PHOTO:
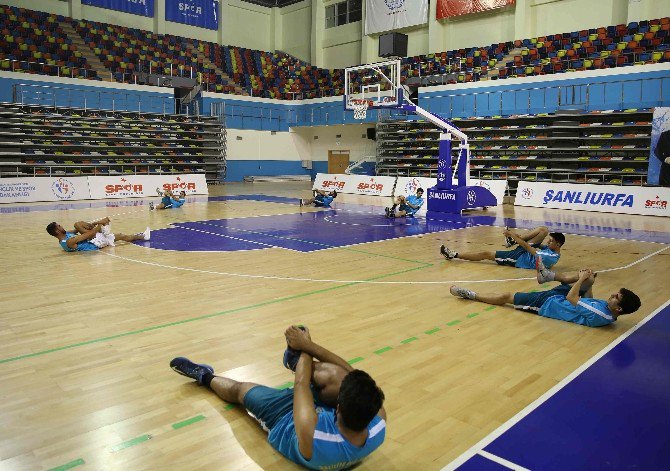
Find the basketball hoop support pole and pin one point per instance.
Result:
(445, 196)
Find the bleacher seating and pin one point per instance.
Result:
(34, 42)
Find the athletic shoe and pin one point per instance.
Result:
(462, 292)
(509, 241)
(159, 192)
(186, 367)
(147, 234)
(448, 254)
(302, 203)
(151, 206)
(387, 212)
(291, 357)
(543, 273)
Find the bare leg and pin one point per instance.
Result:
(497, 299)
(476, 256)
(230, 390)
(308, 202)
(128, 238)
(536, 236)
(327, 378)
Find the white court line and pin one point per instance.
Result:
(479, 446)
(502, 461)
(317, 280)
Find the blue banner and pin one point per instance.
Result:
(136, 7)
(201, 13)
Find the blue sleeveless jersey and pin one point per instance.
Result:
(527, 260)
(330, 450)
(81, 246)
(176, 203)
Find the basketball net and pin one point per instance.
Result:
(360, 108)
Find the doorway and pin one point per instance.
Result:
(338, 161)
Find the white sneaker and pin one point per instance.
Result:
(147, 234)
(462, 292)
(448, 254)
(151, 206)
(544, 274)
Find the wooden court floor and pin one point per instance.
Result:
(85, 339)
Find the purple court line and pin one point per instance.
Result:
(611, 413)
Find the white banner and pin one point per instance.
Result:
(355, 184)
(137, 186)
(24, 190)
(388, 15)
(652, 201)
(408, 186)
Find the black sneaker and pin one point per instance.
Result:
(448, 254)
(186, 367)
(291, 356)
(509, 241)
(386, 212)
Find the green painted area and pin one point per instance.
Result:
(490, 308)
(453, 323)
(229, 406)
(132, 442)
(290, 384)
(432, 331)
(70, 465)
(411, 339)
(186, 422)
(355, 360)
(208, 316)
(474, 314)
(382, 350)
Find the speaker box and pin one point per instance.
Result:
(372, 133)
(393, 45)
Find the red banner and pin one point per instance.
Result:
(449, 8)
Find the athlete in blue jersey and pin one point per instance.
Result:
(566, 302)
(169, 200)
(524, 256)
(407, 206)
(88, 236)
(321, 199)
(331, 419)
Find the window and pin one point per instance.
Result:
(342, 13)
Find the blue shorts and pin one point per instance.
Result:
(407, 209)
(532, 302)
(167, 201)
(268, 405)
(509, 257)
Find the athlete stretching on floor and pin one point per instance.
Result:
(571, 303)
(331, 419)
(524, 256)
(89, 236)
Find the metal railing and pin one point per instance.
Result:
(47, 69)
(82, 98)
(553, 98)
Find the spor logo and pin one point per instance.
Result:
(63, 189)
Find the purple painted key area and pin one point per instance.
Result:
(612, 416)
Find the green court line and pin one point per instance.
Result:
(453, 323)
(207, 316)
(355, 360)
(470, 316)
(287, 385)
(132, 442)
(70, 465)
(432, 331)
(382, 350)
(411, 339)
(229, 406)
(489, 308)
(186, 422)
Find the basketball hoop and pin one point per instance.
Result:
(360, 108)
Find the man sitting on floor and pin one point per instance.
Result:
(332, 418)
(566, 302)
(524, 256)
(89, 236)
(321, 199)
(407, 206)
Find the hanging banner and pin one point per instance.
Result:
(136, 7)
(388, 15)
(449, 8)
(200, 13)
(659, 158)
